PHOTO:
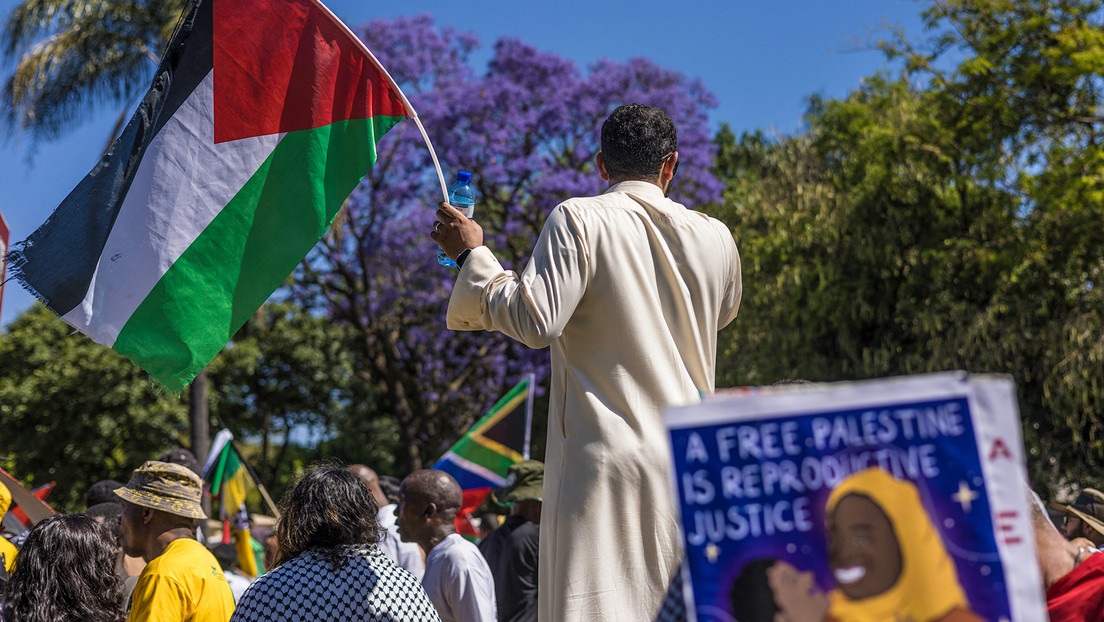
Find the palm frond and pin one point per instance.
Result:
(76, 55)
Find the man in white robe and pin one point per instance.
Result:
(629, 290)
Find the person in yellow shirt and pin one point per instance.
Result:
(7, 549)
(182, 579)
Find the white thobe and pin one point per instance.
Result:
(629, 289)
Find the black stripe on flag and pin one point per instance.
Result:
(56, 262)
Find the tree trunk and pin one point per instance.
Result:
(200, 430)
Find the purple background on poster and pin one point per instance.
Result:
(928, 443)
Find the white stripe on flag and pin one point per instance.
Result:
(182, 183)
(478, 469)
(221, 440)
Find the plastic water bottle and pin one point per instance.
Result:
(462, 197)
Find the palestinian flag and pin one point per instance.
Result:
(262, 118)
(480, 459)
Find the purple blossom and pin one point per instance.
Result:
(528, 129)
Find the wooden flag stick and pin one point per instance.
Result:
(256, 480)
(35, 508)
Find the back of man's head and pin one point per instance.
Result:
(436, 487)
(183, 457)
(107, 513)
(635, 140)
(371, 480)
(226, 554)
(389, 484)
(102, 491)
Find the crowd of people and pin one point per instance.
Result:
(628, 290)
(342, 549)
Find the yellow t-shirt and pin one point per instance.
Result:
(184, 583)
(7, 549)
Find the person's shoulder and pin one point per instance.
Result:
(588, 201)
(189, 551)
(610, 200)
(457, 547)
(517, 529)
(292, 572)
(385, 567)
(186, 546)
(494, 539)
(457, 542)
(526, 531)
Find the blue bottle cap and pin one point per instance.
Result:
(463, 176)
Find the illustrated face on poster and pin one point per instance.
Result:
(866, 514)
(863, 551)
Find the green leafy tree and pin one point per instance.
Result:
(285, 385)
(1024, 98)
(945, 217)
(864, 252)
(76, 412)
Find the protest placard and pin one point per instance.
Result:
(895, 499)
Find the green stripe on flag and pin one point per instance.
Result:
(474, 451)
(216, 479)
(248, 249)
(228, 466)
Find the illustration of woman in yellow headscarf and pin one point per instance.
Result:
(887, 559)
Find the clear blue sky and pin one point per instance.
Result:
(761, 59)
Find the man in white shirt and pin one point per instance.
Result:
(457, 578)
(627, 290)
(406, 555)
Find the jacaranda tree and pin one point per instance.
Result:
(528, 129)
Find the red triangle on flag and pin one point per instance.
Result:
(287, 65)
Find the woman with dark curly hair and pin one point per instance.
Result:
(328, 566)
(66, 572)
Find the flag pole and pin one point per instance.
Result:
(413, 114)
(225, 432)
(529, 414)
(256, 480)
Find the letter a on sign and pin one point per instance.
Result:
(999, 450)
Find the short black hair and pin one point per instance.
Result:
(184, 458)
(389, 484)
(102, 491)
(109, 514)
(226, 554)
(635, 140)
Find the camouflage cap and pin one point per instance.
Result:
(524, 480)
(167, 487)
